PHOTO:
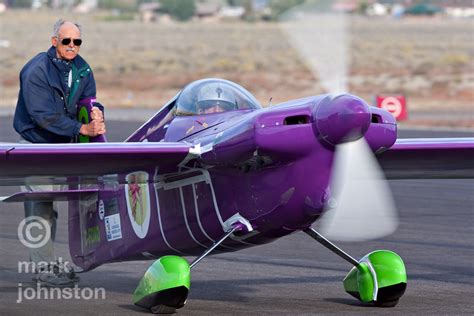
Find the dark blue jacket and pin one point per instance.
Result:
(46, 108)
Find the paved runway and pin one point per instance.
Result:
(294, 275)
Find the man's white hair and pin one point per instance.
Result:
(58, 25)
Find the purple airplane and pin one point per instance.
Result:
(214, 172)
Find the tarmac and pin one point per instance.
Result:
(292, 276)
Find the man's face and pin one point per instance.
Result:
(214, 109)
(67, 51)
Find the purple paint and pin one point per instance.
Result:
(271, 166)
(342, 118)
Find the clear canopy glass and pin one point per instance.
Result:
(209, 96)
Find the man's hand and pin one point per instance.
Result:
(94, 128)
(96, 114)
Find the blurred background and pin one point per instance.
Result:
(143, 52)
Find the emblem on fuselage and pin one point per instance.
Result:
(138, 202)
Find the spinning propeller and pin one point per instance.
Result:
(361, 205)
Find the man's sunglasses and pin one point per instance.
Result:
(67, 41)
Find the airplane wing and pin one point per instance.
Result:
(429, 158)
(64, 163)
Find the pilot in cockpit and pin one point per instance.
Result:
(215, 98)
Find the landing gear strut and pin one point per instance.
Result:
(165, 285)
(379, 277)
(214, 246)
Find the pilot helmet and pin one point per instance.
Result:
(215, 97)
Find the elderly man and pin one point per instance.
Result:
(51, 84)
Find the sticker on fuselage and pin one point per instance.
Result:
(111, 206)
(92, 235)
(101, 210)
(113, 229)
(138, 202)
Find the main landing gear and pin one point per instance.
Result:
(165, 285)
(379, 277)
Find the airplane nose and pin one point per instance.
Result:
(341, 118)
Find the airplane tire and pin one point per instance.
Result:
(162, 309)
(386, 303)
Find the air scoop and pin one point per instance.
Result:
(341, 118)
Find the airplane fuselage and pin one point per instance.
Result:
(269, 167)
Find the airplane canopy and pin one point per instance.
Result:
(209, 96)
